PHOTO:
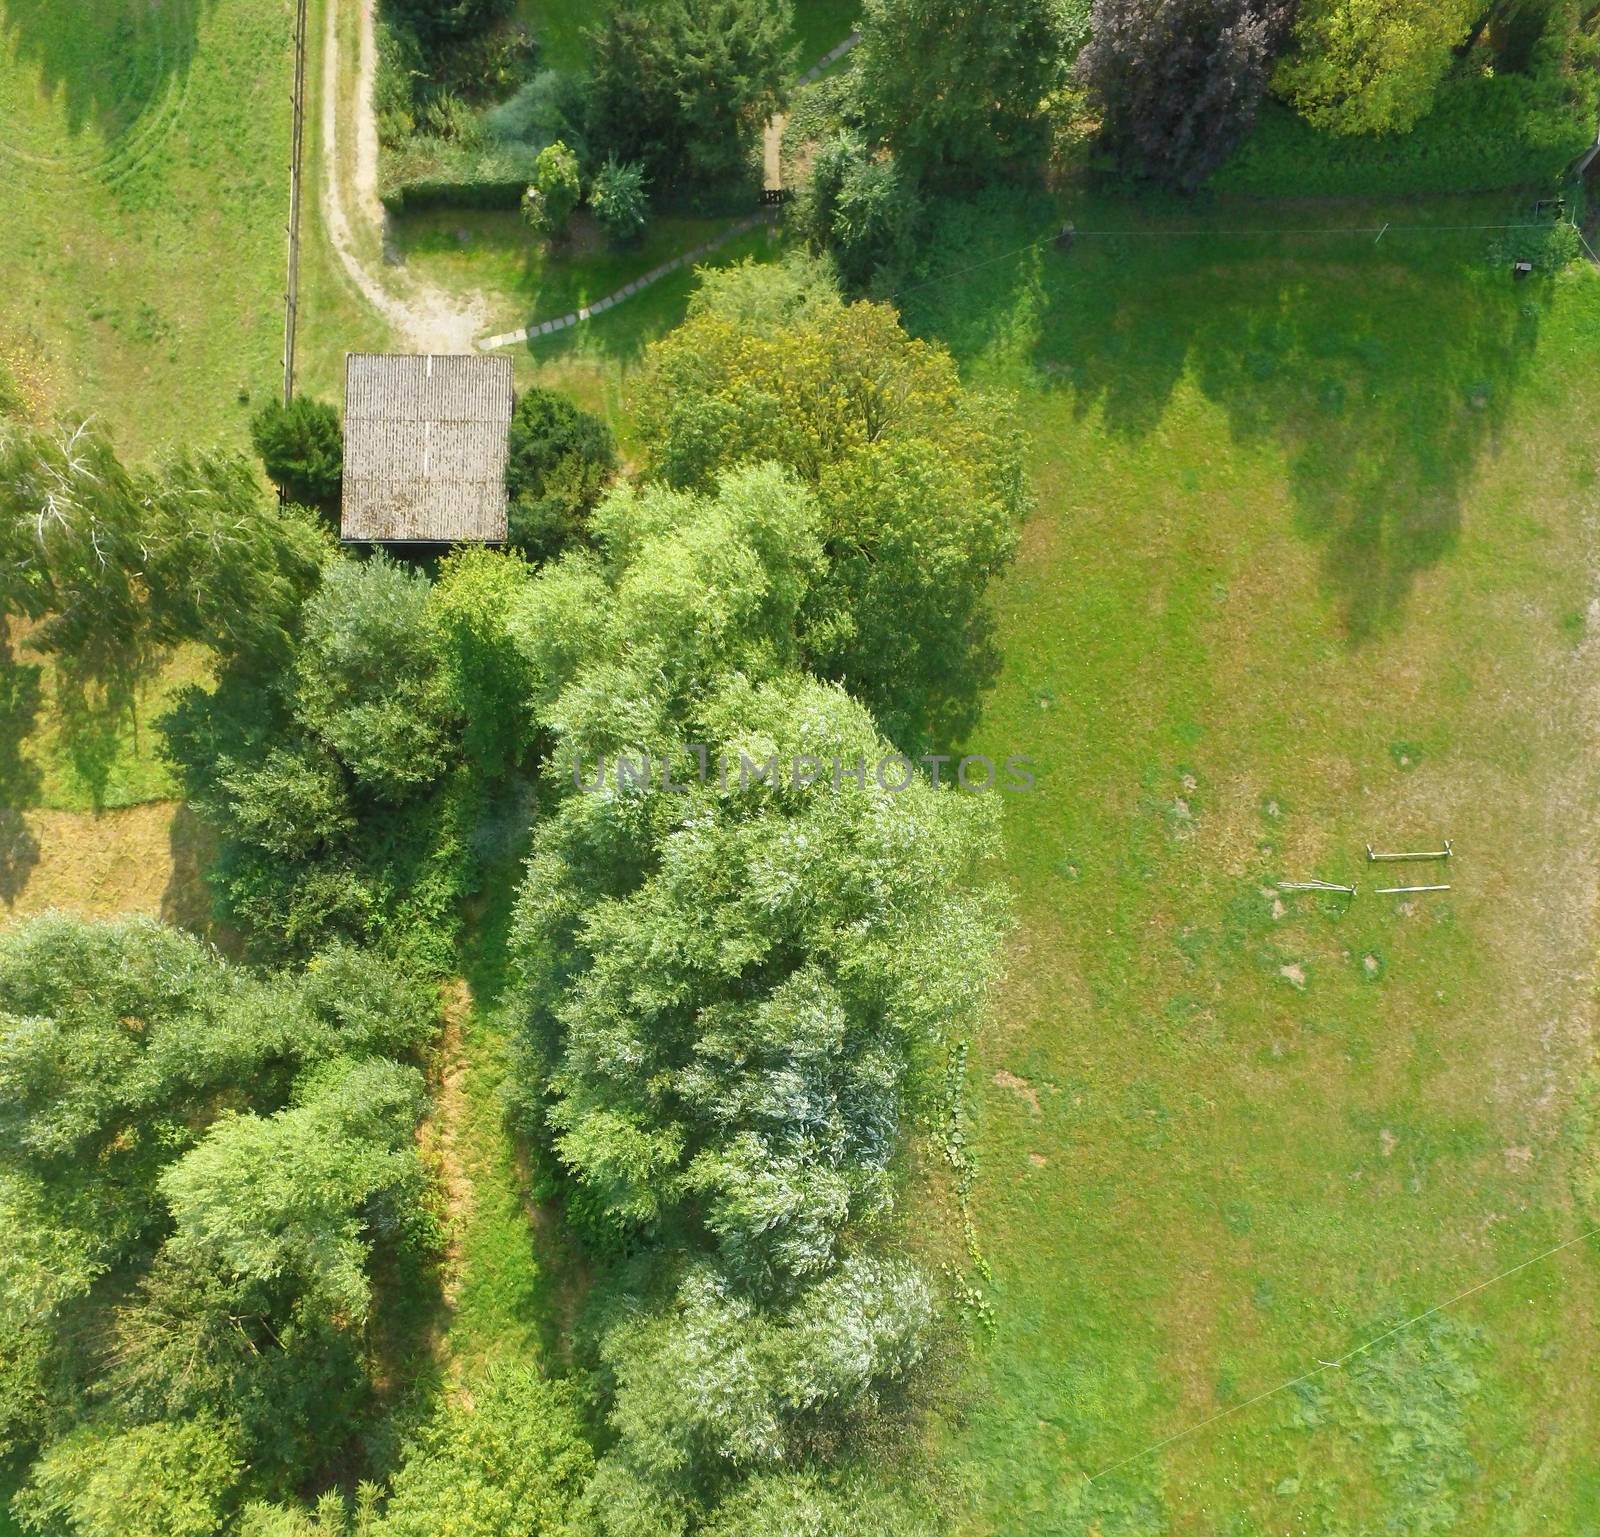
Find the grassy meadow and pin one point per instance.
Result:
(1313, 566)
(146, 153)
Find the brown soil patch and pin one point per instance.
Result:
(141, 859)
(1020, 1087)
(440, 1134)
(1295, 974)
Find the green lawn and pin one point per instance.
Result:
(146, 151)
(493, 254)
(146, 154)
(820, 25)
(1310, 568)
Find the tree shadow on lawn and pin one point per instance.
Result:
(108, 61)
(20, 693)
(1381, 372)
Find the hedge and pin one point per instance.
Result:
(1486, 132)
(435, 173)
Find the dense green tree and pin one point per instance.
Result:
(1371, 66)
(118, 563)
(370, 681)
(489, 682)
(919, 480)
(858, 206)
(682, 87)
(559, 458)
(157, 1480)
(296, 1197)
(712, 1386)
(302, 449)
(1177, 85)
(198, 1165)
(683, 952)
(958, 87)
(618, 196)
(514, 1461)
(116, 1040)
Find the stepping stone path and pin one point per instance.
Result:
(678, 263)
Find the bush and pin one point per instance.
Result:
(550, 197)
(301, 449)
(559, 459)
(617, 196)
(1549, 247)
(859, 208)
(516, 1461)
(546, 108)
(172, 1480)
(437, 21)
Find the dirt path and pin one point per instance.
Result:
(772, 153)
(427, 318)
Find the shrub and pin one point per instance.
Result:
(438, 21)
(548, 107)
(558, 461)
(859, 208)
(301, 449)
(548, 202)
(617, 196)
(516, 1461)
(431, 172)
(1549, 247)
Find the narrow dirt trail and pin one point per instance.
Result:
(427, 318)
(772, 152)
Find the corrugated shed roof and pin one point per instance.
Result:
(425, 447)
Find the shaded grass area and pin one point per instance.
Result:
(820, 25)
(515, 1273)
(558, 26)
(1311, 568)
(597, 360)
(68, 745)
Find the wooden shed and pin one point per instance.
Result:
(425, 448)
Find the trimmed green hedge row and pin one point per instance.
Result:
(432, 173)
(1485, 133)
